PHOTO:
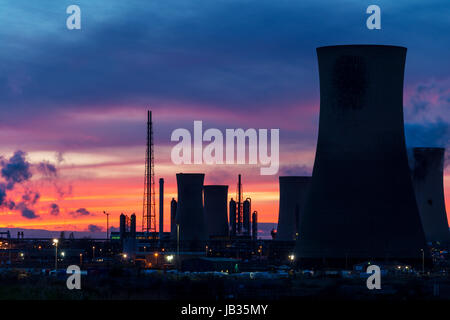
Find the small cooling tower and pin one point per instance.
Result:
(215, 198)
(361, 203)
(190, 215)
(428, 176)
(293, 193)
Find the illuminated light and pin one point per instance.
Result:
(21, 254)
(55, 241)
(169, 258)
(156, 254)
(124, 255)
(63, 254)
(291, 257)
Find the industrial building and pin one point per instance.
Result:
(428, 176)
(293, 193)
(361, 203)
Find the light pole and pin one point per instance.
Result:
(55, 242)
(93, 253)
(107, 225)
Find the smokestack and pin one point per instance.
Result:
(239, 206)
(361, 203)
(216, 210)
(246, 216)
(173, 223)
(233, 210)
(428, 176)
(161, 208)
(255, 225)
(190, 215)
(293, 194)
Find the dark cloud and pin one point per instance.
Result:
(30, 197)
(16, 169)
(26, 211)
(80, 212)
(47, 169)
(54, 209)
(94, 228)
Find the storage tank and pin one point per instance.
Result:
(233, 209)
(428, 176)
(190, 214)
(361, 203)
(293, 193)
(215, 199)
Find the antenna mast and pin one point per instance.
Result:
(149, 215)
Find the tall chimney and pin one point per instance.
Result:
(161, 208)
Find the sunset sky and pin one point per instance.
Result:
(76, 100)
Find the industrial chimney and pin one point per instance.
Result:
(161, 208)
(216, 210)
(190, 214)
(293, 193)
(361, 203)
(428, 176)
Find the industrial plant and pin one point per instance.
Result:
(364, 203)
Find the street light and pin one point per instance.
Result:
(93, 253)
(55, 243)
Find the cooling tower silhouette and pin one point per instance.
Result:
(361, 203)
(293, 192)
(428, 176)
(216, 210)
(190, 215)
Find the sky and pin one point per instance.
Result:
(73, 102)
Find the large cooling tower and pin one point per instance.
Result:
(216, 210)
(293, 192)
(428, 175)
(190, 215)
(361, 203)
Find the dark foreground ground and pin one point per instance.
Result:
(17, 286)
